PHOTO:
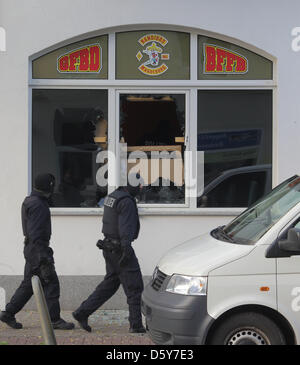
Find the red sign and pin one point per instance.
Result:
(87, 59)
(221, 60)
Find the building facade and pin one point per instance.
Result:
(200, 98)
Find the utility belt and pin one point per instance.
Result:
(110, 244)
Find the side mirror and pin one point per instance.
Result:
(292, 243)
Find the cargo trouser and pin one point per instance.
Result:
(25, 292)
(129, 276)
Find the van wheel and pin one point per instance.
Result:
(247, 329)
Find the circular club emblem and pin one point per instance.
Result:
(154, 64)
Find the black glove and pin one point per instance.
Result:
(100, 244)
(47, 271)
(127, 252)
(41, 253)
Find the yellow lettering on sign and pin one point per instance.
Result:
(153, 37)
(153, 71)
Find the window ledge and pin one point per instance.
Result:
(168, 211)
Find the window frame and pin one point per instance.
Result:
(189, 87)
(120, 92)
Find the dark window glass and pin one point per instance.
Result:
(235, 133)
(69, 129)
(154, 126)
(240, 190)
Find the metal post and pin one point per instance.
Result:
(47, 329)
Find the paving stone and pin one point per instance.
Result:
(110, 327)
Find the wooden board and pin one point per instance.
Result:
(154, 148)
(100, 139)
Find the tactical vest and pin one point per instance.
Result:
(110, 226)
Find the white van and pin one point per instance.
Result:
(238, 284)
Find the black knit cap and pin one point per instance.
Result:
(44, 183)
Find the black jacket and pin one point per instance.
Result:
(36, 219)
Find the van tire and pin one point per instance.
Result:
(248, 328)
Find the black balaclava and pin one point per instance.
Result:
(45, 183)
(132, 189)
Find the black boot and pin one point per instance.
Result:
(62, 325)
(83, 321)
(10, 320)
(137, 329)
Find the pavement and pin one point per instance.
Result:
(109, 327)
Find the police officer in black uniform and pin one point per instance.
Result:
(36, 223)
(120, 227)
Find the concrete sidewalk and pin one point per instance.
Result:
(109, 327)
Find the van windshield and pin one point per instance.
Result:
(252, 224)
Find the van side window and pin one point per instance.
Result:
(240, 190)
(296, 224)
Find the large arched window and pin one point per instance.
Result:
(147, 100)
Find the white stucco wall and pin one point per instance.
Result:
(34, 25)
